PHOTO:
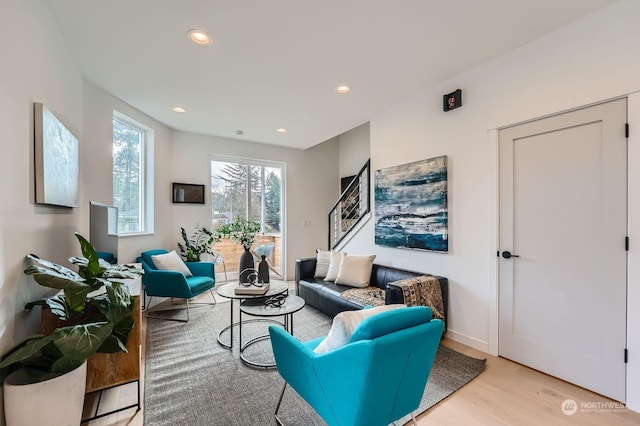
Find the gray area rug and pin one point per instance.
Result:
(191, 380)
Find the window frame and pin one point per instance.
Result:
(146, 203)
(252, 162)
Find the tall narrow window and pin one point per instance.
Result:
(129, 175)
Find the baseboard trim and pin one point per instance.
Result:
(468, 340)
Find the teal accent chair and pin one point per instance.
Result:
(173, 284)
(375, 379)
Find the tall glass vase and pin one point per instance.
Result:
(247, 267)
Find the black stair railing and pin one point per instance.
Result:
(354, 204)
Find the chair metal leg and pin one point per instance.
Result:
(413, 420)
(148, 312)
(275, 415)
(207, 303)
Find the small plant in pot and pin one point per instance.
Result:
(91, 321)
(198, 244)
(242, 231)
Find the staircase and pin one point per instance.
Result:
(352, 206)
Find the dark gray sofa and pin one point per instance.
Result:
(325, 296)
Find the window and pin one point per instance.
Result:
(246, 190)
(131, 146)
(251, 189)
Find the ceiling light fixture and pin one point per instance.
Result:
(281, 130)
(199, 37)
(343, 89)
(179, 109)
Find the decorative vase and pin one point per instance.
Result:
(247, 267)
(263, 270)
(56, 401)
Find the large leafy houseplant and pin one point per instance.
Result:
(241, 230)
(198, 244)
(93, 321)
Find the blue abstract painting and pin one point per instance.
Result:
(411, 205)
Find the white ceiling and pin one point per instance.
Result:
(276, 63)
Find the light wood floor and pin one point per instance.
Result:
(505, 393)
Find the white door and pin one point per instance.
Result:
(563, 204)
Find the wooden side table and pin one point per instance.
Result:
(106, 371)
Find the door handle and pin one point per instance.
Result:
(507, 255)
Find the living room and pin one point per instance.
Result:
(582, 63)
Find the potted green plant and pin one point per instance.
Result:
(198, 244)
(242, 231)
(92, 321)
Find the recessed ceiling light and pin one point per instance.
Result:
(281, 130)
(199, 37)
(179, 109)
(343, 89)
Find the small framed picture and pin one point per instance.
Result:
(187, 193)
(452, 100)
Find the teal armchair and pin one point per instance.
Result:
(377, 378)
(174, 284)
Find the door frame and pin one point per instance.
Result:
(633, 261)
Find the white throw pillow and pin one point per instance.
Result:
(323, 260)
(345, 323)
(171, 262)
(334, 265)
(355, 271)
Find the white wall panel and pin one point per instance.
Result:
(586, 62)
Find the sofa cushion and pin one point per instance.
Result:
(323, 259)
(334, 265)
(355, 271)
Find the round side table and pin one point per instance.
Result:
(258, 308)
(229, 291)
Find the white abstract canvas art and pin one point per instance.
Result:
(56, 160)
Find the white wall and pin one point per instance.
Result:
(354, 150)
(98, 113)
(310, 186)
(589, 61)
(36, 66)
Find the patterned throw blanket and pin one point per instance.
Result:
(422, 291)
(418, 291)
(371, 295)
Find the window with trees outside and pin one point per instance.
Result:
(129, 172)
(252, 190)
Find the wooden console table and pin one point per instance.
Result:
(106, 371)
